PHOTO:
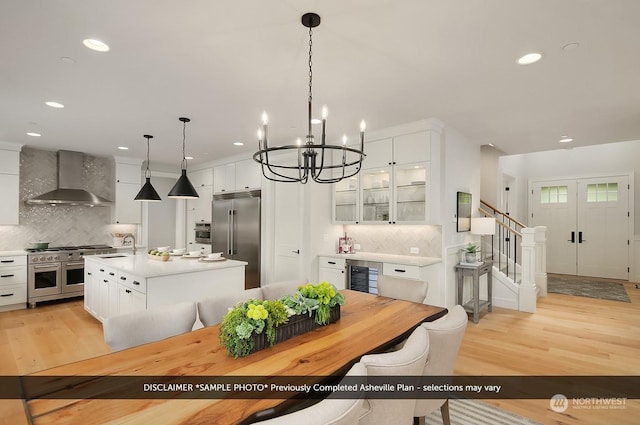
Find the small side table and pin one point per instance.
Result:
(475, 304)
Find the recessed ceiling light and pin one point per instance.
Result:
(54, 104)
(96, 45)
(565, 139)
(238, 143)
(570, 46)
(529, 58)
(34, 134)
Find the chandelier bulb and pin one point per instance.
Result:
(265, 118)
(325, 112)
(362, 126)
(344, 140)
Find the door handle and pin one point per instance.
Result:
(7, 275)
(580, 240)
(573, 237)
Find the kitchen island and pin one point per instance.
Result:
(118, 284)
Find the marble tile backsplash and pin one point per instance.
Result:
(61, 225)
(398, 239)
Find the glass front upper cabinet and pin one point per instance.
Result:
(376, 195)
(411, 188)
(346, 200)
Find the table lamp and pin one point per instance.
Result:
(483, 226)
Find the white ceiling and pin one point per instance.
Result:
(222, 62)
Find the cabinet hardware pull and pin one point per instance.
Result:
(580, 240)
(128, 291)
(573, 238)
(105, 281)
(112, 274)
(90, 274)
(7, 275)
(101, 270)
(399, 270)
(6, 295)
(123, 278)
(297, 251)
(331, 262)
(7, 261)
(135, 282)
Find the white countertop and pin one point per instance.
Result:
(407, 260)
(143, 266)
(10, 253)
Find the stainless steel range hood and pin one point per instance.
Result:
(70, 191)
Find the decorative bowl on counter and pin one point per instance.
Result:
(163, 257)
(163, 248)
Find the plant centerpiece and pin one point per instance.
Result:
(471, 253)
(254, 324)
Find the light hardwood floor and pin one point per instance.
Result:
(567, 336)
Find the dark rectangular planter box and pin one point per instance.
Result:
(297, 325)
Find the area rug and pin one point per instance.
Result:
(475, 412)
(585, 287)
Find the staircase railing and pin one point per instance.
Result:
(509, 238)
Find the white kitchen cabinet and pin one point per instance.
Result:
(13, 282)
(130, 300)
(394, 271)
(224, 178)
(90, 288)
(9, 182)
(393, 185)
(105, 297)
(332, 270)
(203, 204)
(237, 176)
(201, 178)
(128, 183)
(248, 175)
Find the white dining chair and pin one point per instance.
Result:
(332, 410)
(408, 361)
(445, 337)
(140, 327)
(211, 311)
(403, 289)
(276, 290)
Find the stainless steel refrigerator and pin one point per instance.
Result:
(235, 230)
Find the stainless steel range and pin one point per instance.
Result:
(58, 272)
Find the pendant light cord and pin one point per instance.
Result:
(183, 165)
(310, 82)
(147, 172)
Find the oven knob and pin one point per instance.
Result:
(34, 259)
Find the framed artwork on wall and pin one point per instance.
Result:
(463, 212)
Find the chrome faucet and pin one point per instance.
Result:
(133, 239)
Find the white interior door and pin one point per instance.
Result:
(287, 232)
(603, 227)
(554, 206)
(587, 223)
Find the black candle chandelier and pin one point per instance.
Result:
(312, 159)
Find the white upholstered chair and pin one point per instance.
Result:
(408, 361)
(330, 411)
(211, 311)
(445, 337)
(276, 290)
(403, 289)
(140, 327)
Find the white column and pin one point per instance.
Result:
(528, 291)
(541, 259)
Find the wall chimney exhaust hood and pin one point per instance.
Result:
(69, 191)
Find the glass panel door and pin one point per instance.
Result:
(346, 200)
(411, 189)
(376, 199)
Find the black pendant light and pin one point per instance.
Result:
(147, 192)
(183, 189)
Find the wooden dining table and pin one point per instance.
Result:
(368, 324)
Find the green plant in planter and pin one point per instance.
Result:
(470, 252)
(327, 296)
(249, 318)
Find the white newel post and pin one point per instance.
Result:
(541, 259)
(528, 295)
